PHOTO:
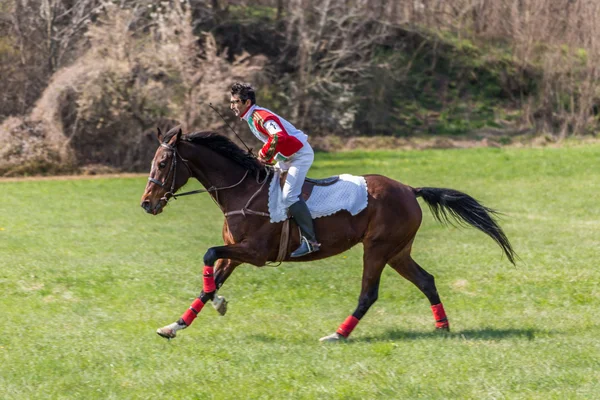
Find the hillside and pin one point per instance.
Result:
(433, 74)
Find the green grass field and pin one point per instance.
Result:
(86, 277)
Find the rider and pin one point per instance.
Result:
(286, 145)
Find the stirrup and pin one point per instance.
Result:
(306, 247)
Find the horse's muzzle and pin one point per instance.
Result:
(147, 205)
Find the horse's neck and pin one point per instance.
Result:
(227, 181)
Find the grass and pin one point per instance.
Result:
(87, 277)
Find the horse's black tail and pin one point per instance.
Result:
(466, 211)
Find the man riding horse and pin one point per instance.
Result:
(286, 145)
(386, 224)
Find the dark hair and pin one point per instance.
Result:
(244, 91)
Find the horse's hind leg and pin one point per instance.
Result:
(409, 269)
(373, 264)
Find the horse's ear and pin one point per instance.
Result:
(159, 135)
(175, 139)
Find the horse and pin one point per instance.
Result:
(237, 182)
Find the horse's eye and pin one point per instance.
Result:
(161, 165)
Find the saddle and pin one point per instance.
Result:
(310, 183)
(307, 188)
(351, 196)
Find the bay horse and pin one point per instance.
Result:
(238, 183)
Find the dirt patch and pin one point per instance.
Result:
(72, 177)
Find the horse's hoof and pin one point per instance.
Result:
(166, 332)
(334, 337)
(220, 304)
(444, 329)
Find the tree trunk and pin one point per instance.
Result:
(279, 9)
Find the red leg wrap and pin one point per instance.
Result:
(348, 326)
(209, 279)
(441, 321)
(191, 313)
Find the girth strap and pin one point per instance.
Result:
(284, 241)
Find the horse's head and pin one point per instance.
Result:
(167, 174)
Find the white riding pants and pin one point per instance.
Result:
(297, 167)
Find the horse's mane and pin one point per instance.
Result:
(222, 145)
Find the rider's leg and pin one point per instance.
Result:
(298, 167)
(308, 242)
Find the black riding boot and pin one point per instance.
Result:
(308, 241)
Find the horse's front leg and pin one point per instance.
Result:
(231, 255)
(223, 268)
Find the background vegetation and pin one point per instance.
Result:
(85, 82)
(87, 277)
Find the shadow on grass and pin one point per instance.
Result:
(392, 335)
(259, 337)
(468, 334)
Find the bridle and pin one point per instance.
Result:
(173, 169)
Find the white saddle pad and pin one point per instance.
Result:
(348, 193)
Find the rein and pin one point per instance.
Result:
(210, 189)
(246, 210)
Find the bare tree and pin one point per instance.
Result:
(58, 23)
(44, 35)
(331, 44)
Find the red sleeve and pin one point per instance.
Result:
(273, 129)
(279, 140)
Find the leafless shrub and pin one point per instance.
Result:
(146, 78)
(557, 37)
(331, 45)
(26, 150)
(37, 37)
(140, 71)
